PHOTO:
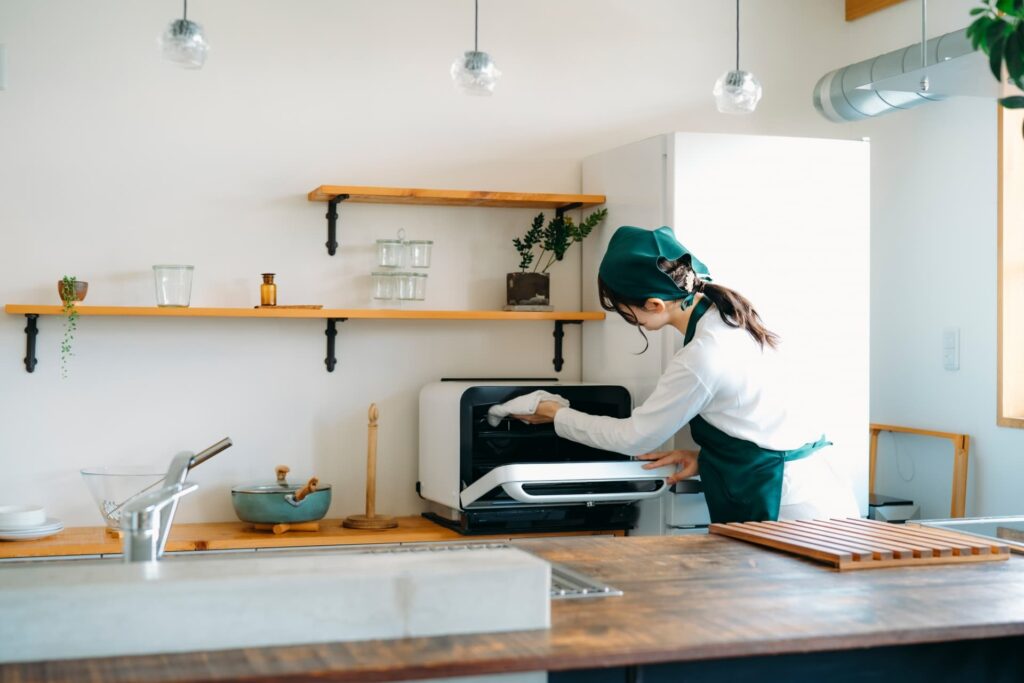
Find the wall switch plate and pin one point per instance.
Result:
(3, 67)
(951, 348)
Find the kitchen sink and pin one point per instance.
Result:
(195, 601)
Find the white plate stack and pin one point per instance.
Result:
(26, 523)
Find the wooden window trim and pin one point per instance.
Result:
(1010, 218)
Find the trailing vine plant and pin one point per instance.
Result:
(68, 288)
(998, 31)
(554, 239)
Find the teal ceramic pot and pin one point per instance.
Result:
(276, 504)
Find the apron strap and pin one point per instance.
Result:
(806, 449)
(691, 327)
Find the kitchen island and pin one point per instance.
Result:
(695, 607)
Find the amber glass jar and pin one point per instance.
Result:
(268, 291)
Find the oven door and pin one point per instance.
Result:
(619, 481)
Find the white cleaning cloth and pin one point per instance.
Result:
(522, 405)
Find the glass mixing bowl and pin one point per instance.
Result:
(113, 486)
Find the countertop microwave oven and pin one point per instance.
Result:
(480, 478)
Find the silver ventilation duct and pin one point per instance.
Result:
(890, 82)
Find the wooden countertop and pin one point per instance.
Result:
(686, 598)
(95, 540)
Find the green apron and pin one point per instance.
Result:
(742, 481)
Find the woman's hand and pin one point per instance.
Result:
(685, 462)
(545, 414)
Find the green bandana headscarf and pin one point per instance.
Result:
(630, 266)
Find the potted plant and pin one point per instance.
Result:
(532, 288)
(71, 291)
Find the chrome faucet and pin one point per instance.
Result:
(146, 520)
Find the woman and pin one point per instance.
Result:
(756, 460)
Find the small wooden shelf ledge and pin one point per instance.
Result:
(408, 195)
(332, 316)
(333, 194)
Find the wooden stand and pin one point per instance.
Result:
(961, 447)
(371, 520)
(293, 526)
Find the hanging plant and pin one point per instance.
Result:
(998, 31)
(69, 294)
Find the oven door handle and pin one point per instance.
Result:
(516, 491)
(513, 477)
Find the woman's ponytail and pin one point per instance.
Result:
(735, 309)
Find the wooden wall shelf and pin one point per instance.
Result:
(333, 194)
(855, 9)
(332, 316)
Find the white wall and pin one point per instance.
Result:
(934, 266)
(111, 161)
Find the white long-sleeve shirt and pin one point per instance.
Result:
(724, 376)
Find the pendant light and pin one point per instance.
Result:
(183, 42)
(737, 92)
(474, 73)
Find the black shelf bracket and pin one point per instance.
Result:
(31, 330)
(332, 331)
(559, 333)
(568, 207)
(332, 223)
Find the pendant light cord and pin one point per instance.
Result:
(476, 25)
(185, 17)
(924, 33)
(737, 35)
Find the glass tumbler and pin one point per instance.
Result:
(173, 285)
(389, 253)
(384, 285)
(419, 253)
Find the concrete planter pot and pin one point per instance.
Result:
(528, 289)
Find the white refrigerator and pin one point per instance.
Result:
(785, 222)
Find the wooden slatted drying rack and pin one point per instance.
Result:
(866, 544)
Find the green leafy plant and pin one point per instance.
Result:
(998, 31)
(68, 289)
(553, 239)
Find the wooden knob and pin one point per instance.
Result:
(373, 414)
(309, 488)
(282, 472)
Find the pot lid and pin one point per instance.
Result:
(281, 486)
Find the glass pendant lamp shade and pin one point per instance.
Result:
(737, 92)
(475, 73)
(183, 43)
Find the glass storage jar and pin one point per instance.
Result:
(419, 286)
(419, 252)
(173, 285)
(389, 253)
(404, 286)
(412, 286)
(385, 285)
